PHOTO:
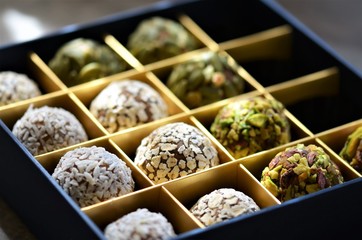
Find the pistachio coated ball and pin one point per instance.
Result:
(300, 170)
(251, 125)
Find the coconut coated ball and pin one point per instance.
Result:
(15, 87)
(92, 174)
(175, 150)
(46, 129)
(126, 104)
(222, 204)
(140, 225)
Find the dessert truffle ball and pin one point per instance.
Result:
(175, 150)
(251, 125)
(140, 225)
(82, 60)
(158, 38)
(204, 80)
(352, 150)
(300, 170)
(16, 87)
(46, 129)
(92, 174)
(223, 204)
(127, 104)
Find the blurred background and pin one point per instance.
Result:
(337, 22)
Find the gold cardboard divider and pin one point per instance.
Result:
(348, 171)
(137, 134)
(155, 199)
(50, 160)
(41, 72)
(189, 24)
(189, 189)
(53, 82)
(322, 83)
(118, 47)
(274, 43)
(334, 139)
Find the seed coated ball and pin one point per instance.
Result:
(82, 60)
(205, 79)
(46, 129)
(140, 225)
(223, 204)
(251, 125)
(92, 174)
(352, 150)
(158, 38)
(15, 87)
(126, 104)
(300, 170)
(175, 150)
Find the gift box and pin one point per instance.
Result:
(275, 56)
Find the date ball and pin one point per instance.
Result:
(251, 125)
(126, 104)
(92, 174)
(15, 87)
(82, 60)
(223, 204)
(300, 170)
(46, 129)
(352, 150)
(140, 225)
(205, 79)
(158, 38)
(175, 150)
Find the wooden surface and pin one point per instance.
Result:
(338, 22)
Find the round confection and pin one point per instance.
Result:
(140, 225)
(300, 170)
(352, 149)
(82, 60)
(223, 204)
(127, 104)
(175, 150)
(92, 174)
(46, 129)
(204, 80)
(15, 87)
(251, 125)
(158, 38)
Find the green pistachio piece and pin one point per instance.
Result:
(257, 120)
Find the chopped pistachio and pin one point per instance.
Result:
(252, 121)
(299, 176)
